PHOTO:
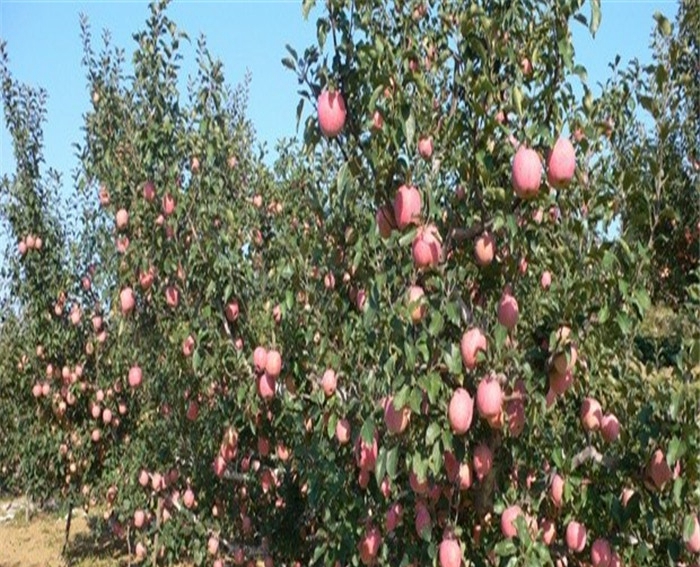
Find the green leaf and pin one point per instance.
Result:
(676, 450)
(518, 99)
(300, 109)
(367, 431)
(306, 7)
(380, 467)
(432, 433)
(688, 527)
(410, 130)
(505, 548)
(401, 398)
(289, 63)
(330, 427)
(291, 51)
(595, 16)
(437, 324)
(344, 178)
(663, 25)
(392, 461)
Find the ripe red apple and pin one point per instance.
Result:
(508, 517)
(329, 382)
(213, 545)
(422, 520)
(396, 420)
(407, 206)
(416, 304)
(366, 454)
(526, 66)
(591, 414)
(546, 280)
(515, 412)
(188, 498)
(561, 163)
(103, 196)
(266, 386)
(168, 204)
(489, 397)
(601, 554)
(526, 173)
(560, 383)
(393, 516)
(576, 536)
(473, 342)
(425, 147)
(460, 411)
(369, 545)
(260, 359)
(75, 315)
(658, 469)
(485, 249)
(482, 460)
(22, 247)
(450, 553)
(556, 490)
(465, 476)
(693, 543)
(361, 299)
(610, 427)
(172, 296)
(122, 219)
(231, 311)
(273, 363)
(427, 247)
(139, 518)
(194, 165)
(149, 191)
(549, 531)
(188, 346)
(135, 376)
(146, 278)
(127, 300)
(331, 113)
(385, 221)
(508, 311)
(342, 431)
(377, 120)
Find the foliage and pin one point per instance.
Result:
(147, 325)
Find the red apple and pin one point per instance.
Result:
(561, 163)
(407, 206)
(526, 173)
(331, 113)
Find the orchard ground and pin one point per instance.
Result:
(38, 543)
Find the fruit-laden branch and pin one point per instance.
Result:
(232, 546)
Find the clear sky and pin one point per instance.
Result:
(44, 46)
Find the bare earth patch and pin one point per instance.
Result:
(38, 543)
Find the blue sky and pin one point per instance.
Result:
(44, 45)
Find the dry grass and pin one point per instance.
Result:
(38, 543)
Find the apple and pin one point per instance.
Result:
(331, 113)
(561, 163)
(407, 206)
(485, 249)
(425, 147)
(526, 173)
